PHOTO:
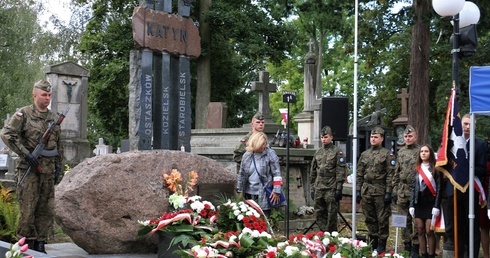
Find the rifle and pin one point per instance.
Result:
(274, 139)
(39, 150)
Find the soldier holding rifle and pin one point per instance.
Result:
(23, 133)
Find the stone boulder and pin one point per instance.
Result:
(99, 202)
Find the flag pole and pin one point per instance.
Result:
(471, 189)
(354, 131)
(455, 222)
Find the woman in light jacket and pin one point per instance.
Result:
(260, 169)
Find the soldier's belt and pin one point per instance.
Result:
(49, 153)
(375, 181)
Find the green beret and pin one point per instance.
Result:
(378, 129)
(409, 129)
(326, 130)
(259, 116)
(43, 85)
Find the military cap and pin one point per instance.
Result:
(258, 116)
(409, 129)
(377, 129)
(326, 130)
(43, 85)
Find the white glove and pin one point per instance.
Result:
(411, 210)
(435, 212)
(488, 213)
(433, 220)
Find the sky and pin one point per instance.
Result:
(56, 7)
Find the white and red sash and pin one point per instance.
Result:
(481, 192)
(428, 179)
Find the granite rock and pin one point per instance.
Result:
(99, 202)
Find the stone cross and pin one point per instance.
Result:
(264, 87)
(311, 43)
(404, 97)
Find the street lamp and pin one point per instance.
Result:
(464, 16)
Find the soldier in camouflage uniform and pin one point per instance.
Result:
(326, 181)
(36, 196)
(402, 184)
(374, 186)
(258, 125)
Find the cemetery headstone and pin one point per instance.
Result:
(216, 117)
(70, 93)
(264, 87)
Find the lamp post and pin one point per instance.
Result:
(464, 16)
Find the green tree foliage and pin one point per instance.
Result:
(26, 47)
(383, 59)
(20, 54)
(244, 35)
(106, 44)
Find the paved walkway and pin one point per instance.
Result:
(70, 250)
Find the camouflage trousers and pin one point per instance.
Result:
(408, 234)
(377, 215)
(36, 201)
(326, 209)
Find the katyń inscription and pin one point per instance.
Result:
(160, 85)
(162, 31)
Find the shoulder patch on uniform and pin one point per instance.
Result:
(393, 162)
(342, 160)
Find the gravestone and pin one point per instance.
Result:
(306, 119)
(264, 88)
(11, 167)
(69, 83)
(216, 117)
(402, 120)
(101, 148)
(124, 145)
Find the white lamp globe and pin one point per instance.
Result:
(470, 14)
(447, 7)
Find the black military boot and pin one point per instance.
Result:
(381, 246)
(374, 243)
(31, 244)
(40, 246)
(415, 251)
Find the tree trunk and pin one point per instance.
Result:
(418, 108)
(203, 92)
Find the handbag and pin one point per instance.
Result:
(269, 190)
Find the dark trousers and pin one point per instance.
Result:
(463, 223)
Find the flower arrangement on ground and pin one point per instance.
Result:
(239, 228)
(191, 219)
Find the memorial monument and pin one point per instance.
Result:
(159, 88)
